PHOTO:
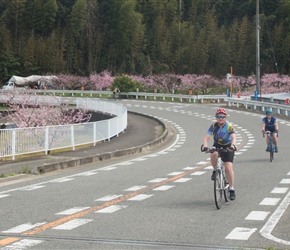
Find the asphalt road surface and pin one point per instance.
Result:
(160, 199)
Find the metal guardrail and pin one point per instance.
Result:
(20, 141)
(260, 106)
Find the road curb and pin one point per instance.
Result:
(45, 168)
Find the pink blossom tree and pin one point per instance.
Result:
(30, 110)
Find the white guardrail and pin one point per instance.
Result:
(20, 141)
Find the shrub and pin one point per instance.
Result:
(126, 84)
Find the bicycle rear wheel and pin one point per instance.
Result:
(218, 192)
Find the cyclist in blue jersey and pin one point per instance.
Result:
(224, 137)
(269, 123)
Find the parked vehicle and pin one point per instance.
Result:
(33, 81)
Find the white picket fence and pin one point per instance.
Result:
(20, 141)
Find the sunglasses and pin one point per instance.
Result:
(220, 116)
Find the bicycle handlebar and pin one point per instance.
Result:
(269, 132)
(214, 149)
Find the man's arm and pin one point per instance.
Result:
(205, 140)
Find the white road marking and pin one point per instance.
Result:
(65, 179)
(30, 188)
(273, 220)
(72, 210)
(198, 173)
(183, 180)
(22, 228)
(285, 181)
(188, 168)
(158, 180)
(163, 188)
(140, 159)
(175, 173)
(23, 244)
(107, 168)
(4, 195)
(257, 215)
(72, 224)
(110, 209)
(270, 201)
(135, 188)
(241, 233)
(109, 197)
(87, 173)
(201, 163)
(140, 197)
(126, 163)
(278, 190)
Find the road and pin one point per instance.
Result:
(159, 199)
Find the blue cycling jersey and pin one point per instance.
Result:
(269, 123)
(221, 135)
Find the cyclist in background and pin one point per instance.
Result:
(269, 123)
(116, 93)
(224, 137)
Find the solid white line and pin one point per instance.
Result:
(72, 224)
(31, 188)
(4, 195)
(273, 220)
(60, 180)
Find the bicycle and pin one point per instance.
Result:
(271, 144)
(116, 95)
(221, 185)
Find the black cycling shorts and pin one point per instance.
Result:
(273, 130)
(228, 156)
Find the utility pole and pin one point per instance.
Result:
(179, 16)
(258, 87)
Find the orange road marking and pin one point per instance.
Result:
(107, 204)
(7, 241)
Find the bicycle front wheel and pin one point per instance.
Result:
(218, 192)
(226, 189)
(271, 152)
